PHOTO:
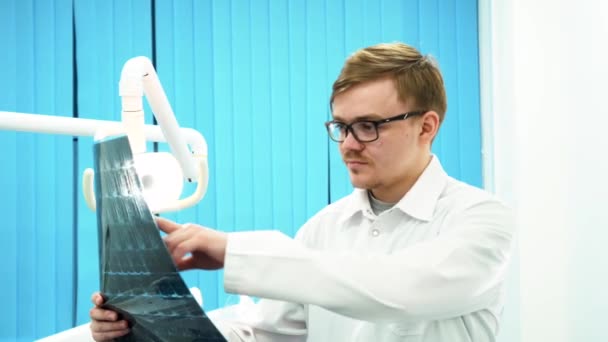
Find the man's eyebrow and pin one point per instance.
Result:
(364, 117)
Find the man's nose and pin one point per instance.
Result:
(350, 143)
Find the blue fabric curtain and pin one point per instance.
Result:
(37, 209)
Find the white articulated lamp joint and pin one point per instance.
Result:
(131, 92)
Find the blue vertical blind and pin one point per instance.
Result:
(37, 241)
(254, 77)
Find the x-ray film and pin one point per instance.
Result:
(138, 277)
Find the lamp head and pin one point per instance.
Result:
(161, 178)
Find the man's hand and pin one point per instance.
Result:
(105, 325)
(193, 246)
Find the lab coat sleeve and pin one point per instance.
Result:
(265, 321)
(459, 272)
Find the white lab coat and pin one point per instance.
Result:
(430, 269)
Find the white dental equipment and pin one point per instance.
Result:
(161, 174)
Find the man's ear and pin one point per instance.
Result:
(429, 126)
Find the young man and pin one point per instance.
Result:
(411, 255)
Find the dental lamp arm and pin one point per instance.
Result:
(138, 77)
(49, 124)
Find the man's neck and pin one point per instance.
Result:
(377, 205)
(393, 193)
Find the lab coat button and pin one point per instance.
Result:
(375, 232)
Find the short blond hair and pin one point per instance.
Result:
(417, 77)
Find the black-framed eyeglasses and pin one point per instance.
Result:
(364, 130)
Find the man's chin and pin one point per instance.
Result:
(359, 182)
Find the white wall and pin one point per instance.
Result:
(544, 77)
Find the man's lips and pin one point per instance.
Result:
(352, 162)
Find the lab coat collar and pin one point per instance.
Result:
(419, 202)
(422, 198)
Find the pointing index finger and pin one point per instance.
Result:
(167, 226)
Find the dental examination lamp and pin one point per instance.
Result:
(161, 174)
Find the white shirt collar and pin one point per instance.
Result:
(422, 198)
(419, 202)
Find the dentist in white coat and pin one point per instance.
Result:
(411, 255)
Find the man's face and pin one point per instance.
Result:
(393, 159)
